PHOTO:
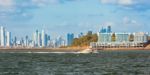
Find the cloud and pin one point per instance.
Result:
(129, 4)
(119, 2)
(126, 24)
(6, 3)
(12, 9)
(131, 24)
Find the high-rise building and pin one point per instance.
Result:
(22, 42)
(27, 41)
(46, 39)
(43, 38)
(60, 42)
(36, 38)
(80, 35)
(103, 30)
(109, 29)
(39, 40)
(8, 41)
(106, 30)
(70, 38)
(15, 41)
(3, 39)
(89, 33)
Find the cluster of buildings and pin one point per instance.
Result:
(5, 38)
(40, 39)
(106, 39)
(109, 39)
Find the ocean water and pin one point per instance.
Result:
(102, 63)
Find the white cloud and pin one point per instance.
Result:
(40, 3)
(129, 4)
(10, 9)
(108, 1)
(131, 24)
(120, 2)
(6, 3)
(125, 2)
(20, 8)
(127, 20)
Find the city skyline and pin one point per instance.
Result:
(59, 17)
(40, 39)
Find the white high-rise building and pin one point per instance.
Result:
(2, 36)
(34, 39)
(43, 38)
(8, 41)
(39, 39)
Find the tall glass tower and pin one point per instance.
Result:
(43, 38)
(109, 29)
(3, 40)
(70, 38)
(8, 42)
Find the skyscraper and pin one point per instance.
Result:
(103, 30)
(109, 29)
(26, 41)
(39, 40)
(89, 33)
(3, 40)
(36, 38)
(70, 38)
(8, 41)
(60, 42)
(43, 38)
(46, 39)
(80, 35)
(106, 30)
(15, 41)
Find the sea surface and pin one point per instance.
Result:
(102, 63)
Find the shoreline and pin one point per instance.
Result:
(65, 49)
(41, 49)
(126, 49)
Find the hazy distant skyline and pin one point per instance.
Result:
(58, 17)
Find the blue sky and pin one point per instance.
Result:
(58, 17)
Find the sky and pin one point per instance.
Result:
(59, 17)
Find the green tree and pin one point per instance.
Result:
(85, 40)
(113, 37)
(131, 37)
